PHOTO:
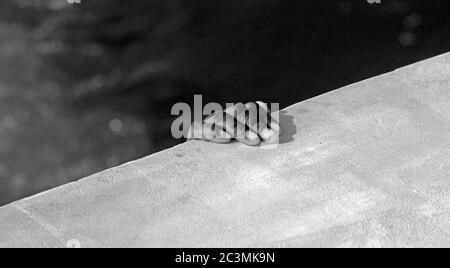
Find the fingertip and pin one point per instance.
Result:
(251, 105)
(263, 105)
(252, 135)
(270, 136)
(266, 133)
(251, 139)
(276, 127)
(273, 139)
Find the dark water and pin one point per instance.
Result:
(90, 86)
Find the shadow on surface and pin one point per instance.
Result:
(289, 128)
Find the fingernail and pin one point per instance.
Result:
(275, 126)
(251, 139)
(274, 138)
(267, 133)
(251, 135)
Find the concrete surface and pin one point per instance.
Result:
(367, 165)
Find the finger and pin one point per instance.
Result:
(246, 114)
(235, 128)
(251, 139)
(257, 117)
(269, 129)
(251, 116)
(208, 132)
(215, 133)
(265, 109)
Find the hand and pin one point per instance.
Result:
(250, 124)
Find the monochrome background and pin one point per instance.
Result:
(88, 86)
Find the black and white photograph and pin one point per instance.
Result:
(224, 131)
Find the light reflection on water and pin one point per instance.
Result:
(42, 143)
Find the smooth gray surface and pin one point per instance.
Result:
(368, 166)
